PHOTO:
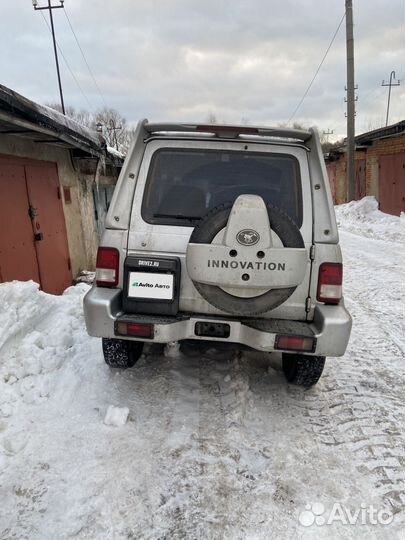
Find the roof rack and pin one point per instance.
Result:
(228, 131)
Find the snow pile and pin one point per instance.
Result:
(38, 332)
(363, 218)
(36, 329)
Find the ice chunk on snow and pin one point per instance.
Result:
(116, 416)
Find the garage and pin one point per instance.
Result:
(50, 169)
(380, 168)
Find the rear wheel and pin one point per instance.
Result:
(120, 353)
(302, 369)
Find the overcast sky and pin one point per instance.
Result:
(240, 60)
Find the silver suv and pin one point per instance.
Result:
(222, 233)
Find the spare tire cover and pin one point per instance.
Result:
(205, 232)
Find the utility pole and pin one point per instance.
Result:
(112, 131)
(390, 84)
(351, 177)
(327, 133)
(50, 7)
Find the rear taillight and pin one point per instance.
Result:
(107, 266)
(330, 283)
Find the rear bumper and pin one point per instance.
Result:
(331, 325)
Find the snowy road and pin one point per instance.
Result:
(217, 445)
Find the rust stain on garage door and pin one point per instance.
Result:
(30, 200)
(392, 184)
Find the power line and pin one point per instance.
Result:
(67, 64)
(318, 69)
(84, 58)
(366, 96)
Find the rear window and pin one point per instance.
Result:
(184, 184)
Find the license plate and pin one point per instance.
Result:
(150, 285)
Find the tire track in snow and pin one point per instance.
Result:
(203, 455)
(152, 391)
(360, 407)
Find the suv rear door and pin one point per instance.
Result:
(179, 182)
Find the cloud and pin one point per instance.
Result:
(182, 60)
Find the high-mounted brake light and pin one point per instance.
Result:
(107, 267)
(227, 129)
(330, 279)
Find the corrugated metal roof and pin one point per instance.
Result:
(381, 133)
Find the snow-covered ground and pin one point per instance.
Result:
(200, 443)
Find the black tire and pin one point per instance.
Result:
(205, 232)
(120, 353)
(302, 369)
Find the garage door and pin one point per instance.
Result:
(392, 184)
(33, 241)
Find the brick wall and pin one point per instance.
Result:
(337, 172)
(341, 180)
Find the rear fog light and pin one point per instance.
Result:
(135, 330)
(295, 343)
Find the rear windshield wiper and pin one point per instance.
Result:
(177, 216)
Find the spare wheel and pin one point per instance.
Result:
(233, 263)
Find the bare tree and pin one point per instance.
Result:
(83, 117)
(327, 146)
(113, 125)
